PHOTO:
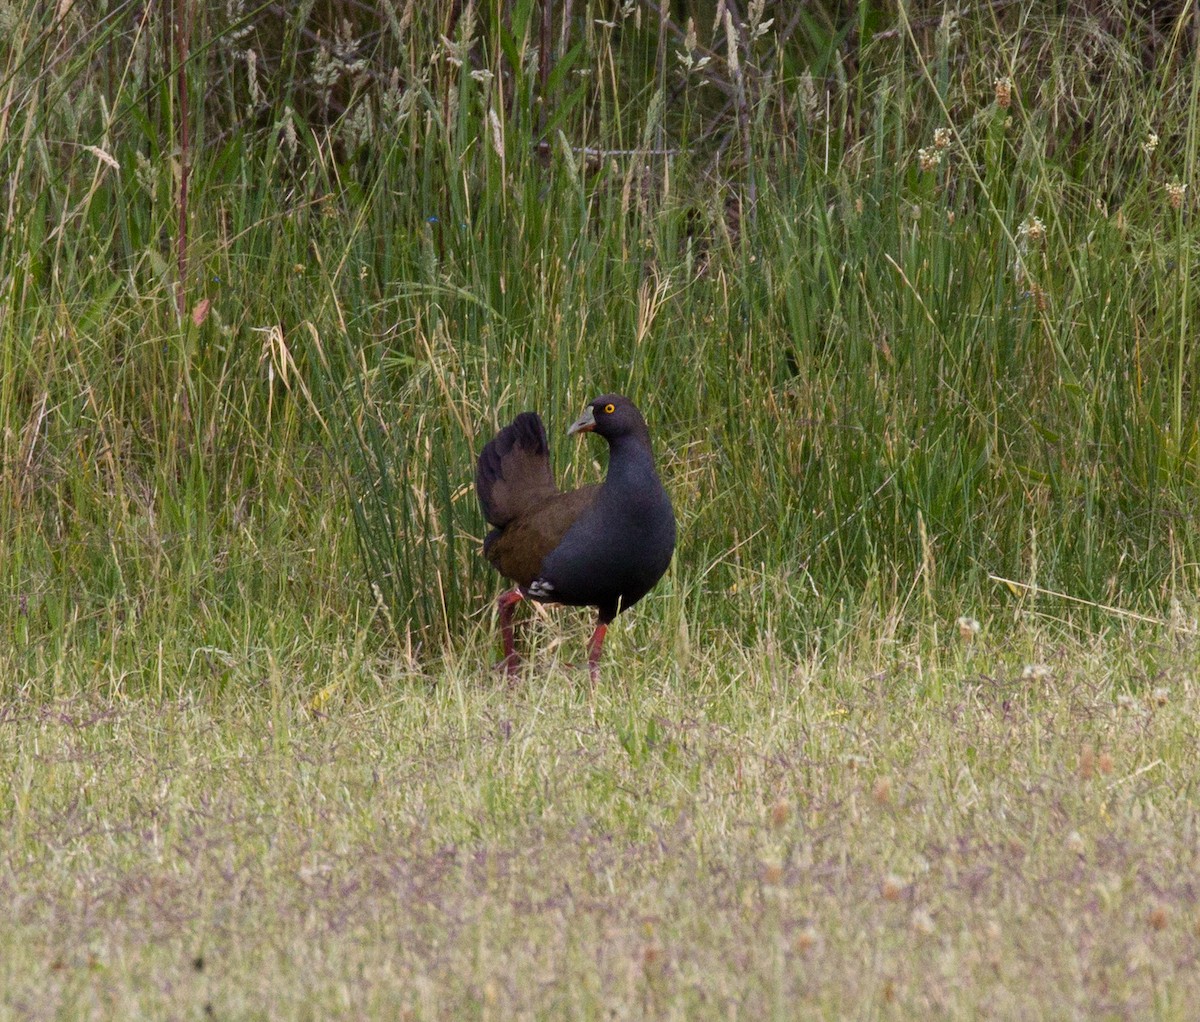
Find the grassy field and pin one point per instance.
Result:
(746, 836)
(908, 299)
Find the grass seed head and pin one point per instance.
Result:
(1033, 230)
(1087, 762)
(928, 159)
(1003, 87)
(891, 887)
(653, 960)
(922, 922)
(1038, 293)
(807, 940)
(781, 812)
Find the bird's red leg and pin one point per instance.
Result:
(595, 646)
(505, 604)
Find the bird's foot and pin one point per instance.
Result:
(509, 665)
(593, 669)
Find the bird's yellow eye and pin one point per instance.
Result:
(609, 409)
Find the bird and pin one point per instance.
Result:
(603, 545)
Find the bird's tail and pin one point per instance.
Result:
(513, 472)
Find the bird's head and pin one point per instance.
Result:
(611, 416)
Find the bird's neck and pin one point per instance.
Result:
(629, 457)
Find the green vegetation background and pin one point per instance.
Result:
(907, 297)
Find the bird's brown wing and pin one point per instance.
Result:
(513, 475)
(518, 550)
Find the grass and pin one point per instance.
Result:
(908, 302)
(746, 836)
(940, 344)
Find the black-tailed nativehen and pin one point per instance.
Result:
(602, 546)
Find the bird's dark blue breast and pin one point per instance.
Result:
(615, 553)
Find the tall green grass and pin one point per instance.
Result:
(874, 381)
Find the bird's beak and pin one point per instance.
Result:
(584, 424)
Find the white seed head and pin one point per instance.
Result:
(497, 132)
(1032, 230)
(689, 37)
(731, 45)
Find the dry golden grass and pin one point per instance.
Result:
(921, 836)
